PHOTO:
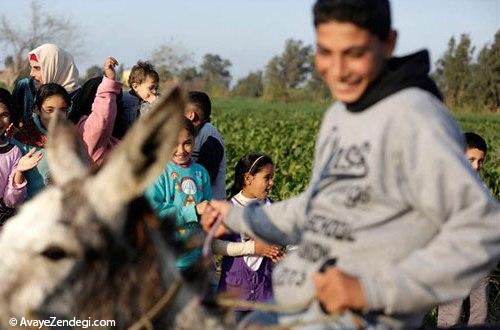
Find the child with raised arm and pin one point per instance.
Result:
(248, 276)
(95, 128)
(12, 164)
(181, 193)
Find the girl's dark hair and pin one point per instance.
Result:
(187, 124)
(48, 90)
(372, 15)
(251, 164)
(6, 99)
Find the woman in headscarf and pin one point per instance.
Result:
(49, 64)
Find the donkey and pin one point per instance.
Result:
(89, 247)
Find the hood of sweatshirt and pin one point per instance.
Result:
(399, 73)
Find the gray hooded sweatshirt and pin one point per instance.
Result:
(392, 198)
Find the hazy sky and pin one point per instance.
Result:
(247, 32)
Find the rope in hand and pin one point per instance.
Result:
(287, 309)
(207, 244)
(299, 323)
(271, 307)
(264, 307)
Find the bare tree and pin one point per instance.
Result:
(42, 28)
(170, 59)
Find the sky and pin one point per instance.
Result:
(247, 32)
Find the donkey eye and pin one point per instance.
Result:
(54, 253)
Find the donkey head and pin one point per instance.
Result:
(81, 247)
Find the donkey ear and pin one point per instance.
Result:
(66, 154)
(141, 156)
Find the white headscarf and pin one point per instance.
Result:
(57, 66)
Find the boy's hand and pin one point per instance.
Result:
(213, 211)
(109, 68)
(200, 207)
(338, 291)
(152, 97)
(273, 252)
(28, 161)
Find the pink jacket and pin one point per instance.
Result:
(96, 129)
(12, 194)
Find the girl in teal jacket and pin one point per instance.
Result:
(182, 193)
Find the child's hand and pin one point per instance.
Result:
(152, 97)
(109, 68)
(214, 211)
(200, 207)
(28, 161)
(273, 252)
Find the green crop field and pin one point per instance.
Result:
(287, 132)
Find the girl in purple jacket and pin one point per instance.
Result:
(12, 163)
(249, 277)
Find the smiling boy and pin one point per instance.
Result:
(412, 241)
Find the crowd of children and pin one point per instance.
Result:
(102, 112)
(196, 176)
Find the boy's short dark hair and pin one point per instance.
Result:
(475, 141)
(372, 15)
(187, 124)
(202, 103)
(141, 71)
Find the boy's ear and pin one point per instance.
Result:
(390, 44)
(192, 116)
(134, 85)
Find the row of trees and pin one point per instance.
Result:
(288, 76)
(171, 63)
(467, 82)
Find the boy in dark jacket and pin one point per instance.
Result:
(209, 146)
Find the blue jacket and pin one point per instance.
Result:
(174, 195)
